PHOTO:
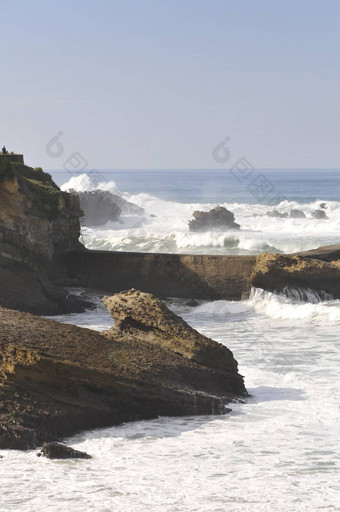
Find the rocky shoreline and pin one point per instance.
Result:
(57, 379)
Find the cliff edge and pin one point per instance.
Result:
(38, 225)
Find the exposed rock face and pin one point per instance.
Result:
(319, 214)
(36, 218)
(217, 218)
(38, 224)
(276, 272)
(57, 379)
(100, 207)
(141, 316)
(61, 451)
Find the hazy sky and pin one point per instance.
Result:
(159, 83)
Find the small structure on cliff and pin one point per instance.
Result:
(15, 158)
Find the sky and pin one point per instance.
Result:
(160, 84)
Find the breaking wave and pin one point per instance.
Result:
(164, 226)
(315, 308)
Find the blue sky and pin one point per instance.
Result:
(158, 84)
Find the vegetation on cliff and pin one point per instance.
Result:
(6, 171)
(39, 224)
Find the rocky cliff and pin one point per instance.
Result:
(57, 379)
(275, 272)
(38, 225)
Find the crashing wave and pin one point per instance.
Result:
(163, 227)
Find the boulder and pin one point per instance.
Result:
(218, 218)
(319, 214)
(141, 316)
(297, 214)
(277, 214)
(61, 451)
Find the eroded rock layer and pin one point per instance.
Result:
(57, 379)
(38, 225)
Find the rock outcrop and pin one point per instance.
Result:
(100, 207)
(61, 451)
(277, 214)
(141, 316)
(276, 272)
(39, 224)
(297, 214)
(218, 218)
(319, 214)
(57, 379)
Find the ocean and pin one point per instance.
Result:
(278, 451)
(170, 197)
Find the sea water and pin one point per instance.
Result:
(279, 451)
(170, 198)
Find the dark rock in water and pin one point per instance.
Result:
(319, 214)
(61, 451)
(217, 218)
(100, 207)
(323, 206)
(192, 303)
(297, 214)
(275, 213)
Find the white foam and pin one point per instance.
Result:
(279, 451)
(164, 228)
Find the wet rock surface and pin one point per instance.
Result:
(218, 218)
(61, 451)
(297, 214)
(319, 214)
(276, 272)
(100, 207)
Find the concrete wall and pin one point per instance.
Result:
(18, 159)
(165, 275)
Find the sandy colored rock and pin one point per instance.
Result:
(274, 272)
(141, 316)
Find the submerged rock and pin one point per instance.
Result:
(319, 214)
(192, 303)
(277, 214)
(57, 379)
(217, 218)
(297, 214)
(61, 451)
